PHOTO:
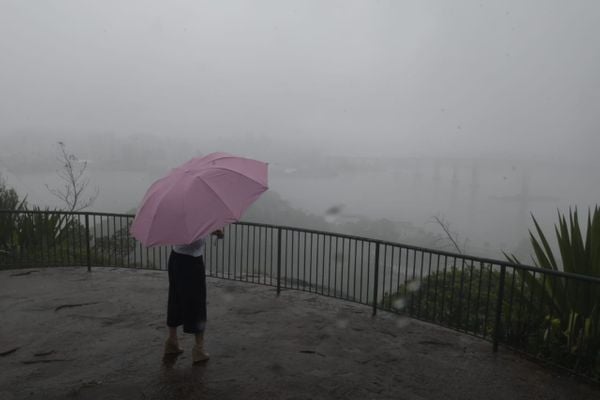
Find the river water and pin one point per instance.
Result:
(488, 207)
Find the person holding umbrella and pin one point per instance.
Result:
(182, 209)
(187, 296)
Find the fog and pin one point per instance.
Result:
(479, 112)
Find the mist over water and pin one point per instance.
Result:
(486, 203)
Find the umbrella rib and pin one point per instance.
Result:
(224, 156)
(162, 196)
(216, 195)
(239, 173)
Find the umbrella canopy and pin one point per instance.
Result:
(194, 199)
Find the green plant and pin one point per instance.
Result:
(463, 297)
(9, 200)
(43, 237)
(117, 246)
(572, 313)
(35, 236)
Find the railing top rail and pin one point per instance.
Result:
(484, 260)
(437, 252)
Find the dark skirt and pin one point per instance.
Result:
(187, 293)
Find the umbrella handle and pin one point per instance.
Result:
(218, 233)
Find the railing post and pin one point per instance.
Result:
(87, 243)
(499, 304)
(376, 279)
(278, 261)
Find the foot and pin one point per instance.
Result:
(199, 355)
(172, 347)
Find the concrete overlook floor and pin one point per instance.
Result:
(70, 334)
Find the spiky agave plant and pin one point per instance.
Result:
(572, 305)
(47, 237)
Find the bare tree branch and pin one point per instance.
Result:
(74, 181)
(446, 227)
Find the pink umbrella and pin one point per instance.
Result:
(198, 197)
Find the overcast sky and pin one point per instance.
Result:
(362, 77)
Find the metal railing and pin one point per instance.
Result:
(550, 315)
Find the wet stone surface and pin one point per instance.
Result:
(70, 334)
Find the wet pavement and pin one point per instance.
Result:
(70, 334)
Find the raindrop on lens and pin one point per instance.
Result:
(399, 304)
(341, 323)
(333, 210)
(414, 286)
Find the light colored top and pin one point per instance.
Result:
(194, 249)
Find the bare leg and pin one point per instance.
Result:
(199, 339)
(172, 343)
(198, 353)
